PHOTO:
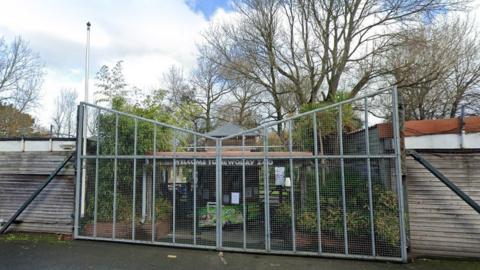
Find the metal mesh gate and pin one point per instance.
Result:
(323, 183)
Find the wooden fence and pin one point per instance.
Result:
(20, 175)
(442, 224)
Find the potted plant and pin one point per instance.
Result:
(104, 218)
(163, 217)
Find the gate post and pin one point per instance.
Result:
(78, 149)
(398, 173)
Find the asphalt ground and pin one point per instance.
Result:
(26, 251)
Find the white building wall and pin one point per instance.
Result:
(36, 145)
(444, 141)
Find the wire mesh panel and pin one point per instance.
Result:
(139, 180)
(279, 206)
(326, 182)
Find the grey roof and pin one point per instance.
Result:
(228, 129)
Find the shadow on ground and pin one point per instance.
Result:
(22, 251)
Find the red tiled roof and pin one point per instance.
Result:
(432, 127)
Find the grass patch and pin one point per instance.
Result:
(34, 238)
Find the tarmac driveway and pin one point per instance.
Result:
(32, 253)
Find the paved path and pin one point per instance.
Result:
(28, 254)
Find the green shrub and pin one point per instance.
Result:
(386, 216)
(307, 222)
(283, 215)
(253, 212)
(163, 209)
(385, 206)
(105, 206)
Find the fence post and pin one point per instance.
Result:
(317, 182)
(79, 149)
(342, 175)
(369, 175)
(398, 173)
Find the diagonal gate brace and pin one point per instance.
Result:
(445, 180)
(35, 194)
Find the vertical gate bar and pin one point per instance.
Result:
(95, 206)
(266, 194)
(195, 180)
(220, 190)
(79, 168)
(115, 166)
(342, 173)
(396, 135)
(317, 183)
(243, 195)
(174, 190)
(134, 179)
(154, 179)
(218, 201)
(292, 189)
(369, 175)
(144, 190)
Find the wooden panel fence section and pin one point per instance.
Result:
(21, 173)
(442, 224)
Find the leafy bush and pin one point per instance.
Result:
(307, 222)
(163, 209)
(105, 205)
(283, 215)
(253, 212)
(358, 215)
(386, 216)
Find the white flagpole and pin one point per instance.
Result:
(85, 122)
(87, 61)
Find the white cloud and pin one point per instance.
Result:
(148, 35)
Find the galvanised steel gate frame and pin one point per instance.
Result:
(339, 164)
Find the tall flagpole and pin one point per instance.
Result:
(87, 61)
(85, 122)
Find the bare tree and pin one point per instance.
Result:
(209, 85)
(335, 37)
(305, 51)
(242, 105)
(178, 89)
(437, 69)
(246, 49)
(65, 111)
(21, 74)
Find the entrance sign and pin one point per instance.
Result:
(279, 176)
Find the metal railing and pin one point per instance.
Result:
(323, 183)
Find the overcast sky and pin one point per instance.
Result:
(148, 35)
